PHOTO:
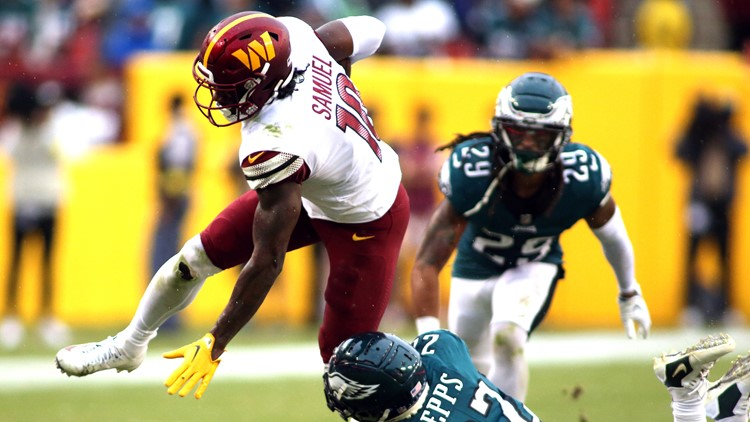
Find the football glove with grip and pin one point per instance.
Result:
(197, 365)
(633, 311)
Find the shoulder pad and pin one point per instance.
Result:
(583, 166)
(467, 172)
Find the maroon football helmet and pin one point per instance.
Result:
(242, 64)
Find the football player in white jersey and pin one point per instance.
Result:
(318, 173)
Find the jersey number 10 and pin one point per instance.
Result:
(359, 122)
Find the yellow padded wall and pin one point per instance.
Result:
(629, 105)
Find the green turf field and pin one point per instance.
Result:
(599, 392)
(611, 393)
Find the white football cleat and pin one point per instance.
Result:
(729, 397)
(84, 359)
(685, 372)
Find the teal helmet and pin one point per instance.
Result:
(375, 376)
(532, 122)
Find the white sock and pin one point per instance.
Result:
(689, 410)
(166, 294)
(511, 377)
(509, 370)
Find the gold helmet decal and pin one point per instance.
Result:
(255, 48)
(256, 51)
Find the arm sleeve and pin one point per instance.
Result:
(367, 33)
(619, 251)
(268, 167)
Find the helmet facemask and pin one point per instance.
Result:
(231, 100)
(531, 149)
(532, 124)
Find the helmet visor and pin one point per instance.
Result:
(531, 139)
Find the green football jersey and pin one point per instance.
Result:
(495, 238)
(457, 391)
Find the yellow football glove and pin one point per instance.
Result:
(196, 366)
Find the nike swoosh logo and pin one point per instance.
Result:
(357, 238)
(197, 349)
(252, 158)
(680, 368)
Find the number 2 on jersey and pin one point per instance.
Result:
(359, 122)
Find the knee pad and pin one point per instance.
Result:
(192, 263)
(508, 338)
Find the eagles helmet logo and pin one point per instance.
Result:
(444, 179)
(348, 389)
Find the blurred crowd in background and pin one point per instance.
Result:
(83, 45)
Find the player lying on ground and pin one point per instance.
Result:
(379, 377)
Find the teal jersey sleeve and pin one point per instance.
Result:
(457, 391)
(466, 173)
(587, 177)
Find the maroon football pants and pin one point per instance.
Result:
(362, 260)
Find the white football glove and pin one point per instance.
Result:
(427, 323)
(633, 311)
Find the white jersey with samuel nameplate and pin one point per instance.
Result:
(354, 176)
